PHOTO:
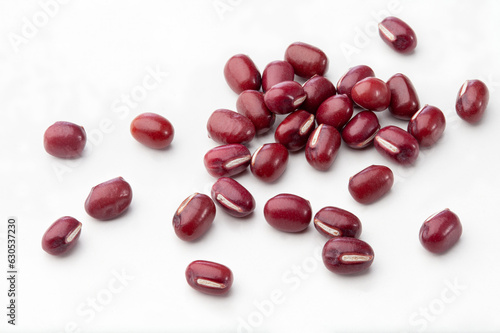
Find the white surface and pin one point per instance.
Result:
(79, 65)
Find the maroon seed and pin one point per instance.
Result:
(64, 139)
(227, 160)
(346, 255)
(251, 104)
(427, 125)
(351, 77)
(61, 236)
(306, 60)
(337, 222)
(335, 111)
(242, 74)
(318, 88)
(370, 184)
(226, 126)
(293, 132)
(284, 97)
(397, 144)
(397, 34)
(288, 212)
(472, 101)
(194, 217)
(440, 231)
(322, 147)
(360, 131)
(372, 94)
(209, 277)
(404, 99)
(152, 130)
(233, 197)
(109, 199)
(276, 72)
(269, 162)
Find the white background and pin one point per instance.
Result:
(79, 64)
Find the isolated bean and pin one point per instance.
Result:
(276, 72)
(351, 77)
(360, 131)
(322, 147)
(346, 255)
(397, 144)
(371, 183)
(372, 94)
(194, 217)
(306, 60)
(109, 199)
(337, 222)
(233, 197)
(227, 160)
(64, 139)
(288, 212)
(293, 132)
(440, 231)
(472, 101)
(284, 97)
(397, 34)
(242, 74)
(152, 130)
(226, 126)
(404, 98)
(318, 88)
(209, 277)
(427, 125)
(61, 236)
(269, 162)
(335, 111)
(250, 103)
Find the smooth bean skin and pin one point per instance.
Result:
(269, 162)
(209, 277)
(318, 88)
(398, 35)
(360, 131)
(335, 111)
(371, 184)
(109, 200)
(472, 100)
(276, 72)
(427, 125)
(233, 197)
(64, 140)
(288, 212)
(61, 236)
(397, 145)
(351, 77)
(372, 94)
(404, 99)
(346, 255)
(306, 60)
(337, 222)
(226, 127)
(194, 217)
(294, 131)
(322, 147)
(284, 97)
(152, 130)
(241, 74)
(251, 104)
(440, 231)
(227, 160)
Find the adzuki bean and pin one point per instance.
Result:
(397, 145)
(306, 60)
(227, 160)
(242, 74)
(322, 147)
(288, 212)
(226, 126)
(372, 94)
(64, 139)
(427, 125)
(293, 132)
(335, 111)
(397, 34)
(269, 162)
(209, 277)
(371, 183)
(318, 88)
(108, 200)
(472, 101)
(61, 236)
(194, 217)
(351, 77)
(250, 103)
(440, 231)
(337, 222)
(276, 72)
(346, 255)
(152, 130)
(233, 197)
(404, 98)
(360, 131)
(284, 97)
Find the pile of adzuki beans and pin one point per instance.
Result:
(316, 101)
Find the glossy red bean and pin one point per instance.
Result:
(194, 217)
(242, 74)
(440, 231)
(472, 101)
(397, 144)
(337, 222)
(233, 197)
(250, 103)
(322, 147)
(209, 277)
(294, 131)
(288, 212)
(397, 34)
(109, 199)
(335, 111)
(284, 97)
(306, 60)
(346, 255)
(269, 162)
(226, 126)
(404, 98)
(371, 183)
(318, 88)
(427, 125)
(152, 130)
(372, 94)
(276, 72)
(351, 77)
(64, 139)
(227, 160)
(61, 236)
(360, 131)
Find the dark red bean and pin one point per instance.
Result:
(360, 131)
(427, 125)
(284, 97)
(242, 74)
(194, 217)
(227, 160)
(251, 104)
(109, 199)
(322, 147)
(337, 222)
(61, 236)
(64, 139)
(397, 144)
(351, 77)
(346, 255)
(306, 60)
(404, 98)
(209, 277)
(276, 72)
(152, 130)
(370, 184)
(372, 94)
(226, 126)
(440, 231)
(318, 88)
(293, 132)
(472, 100)
(233, 197)
(288, 212)
(269, 162)
(335, 111)
(397, 34)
